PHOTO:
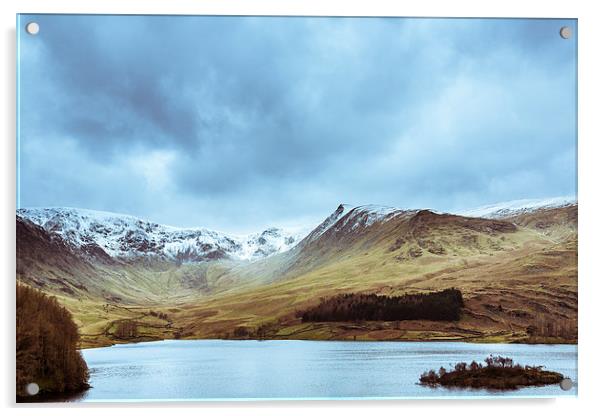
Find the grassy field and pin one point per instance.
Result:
(503, 293)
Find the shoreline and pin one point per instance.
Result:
(465, 341)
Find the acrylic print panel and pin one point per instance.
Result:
(217, 208)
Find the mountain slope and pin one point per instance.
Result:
(559, 223)
(47, 262)
(403, 234)
(509, 274)
(356, 231)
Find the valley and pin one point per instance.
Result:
(127, 280)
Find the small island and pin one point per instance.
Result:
(498, 373)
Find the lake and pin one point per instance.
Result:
(219, 369)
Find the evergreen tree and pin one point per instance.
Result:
(47, 341)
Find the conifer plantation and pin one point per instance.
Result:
(47, 341)
(445, 305)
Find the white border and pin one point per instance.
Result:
(590, 114)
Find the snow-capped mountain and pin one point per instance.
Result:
(127, 236)
(522, 206)
(124, 236)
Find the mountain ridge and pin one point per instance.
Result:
(122, 235)
(112, 235)
(511, 208)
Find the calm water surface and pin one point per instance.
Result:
(217, 369)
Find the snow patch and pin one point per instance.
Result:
(521, 206)
(377, 213)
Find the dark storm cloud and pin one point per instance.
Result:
(237, 123)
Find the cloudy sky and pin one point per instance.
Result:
(240, 123)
